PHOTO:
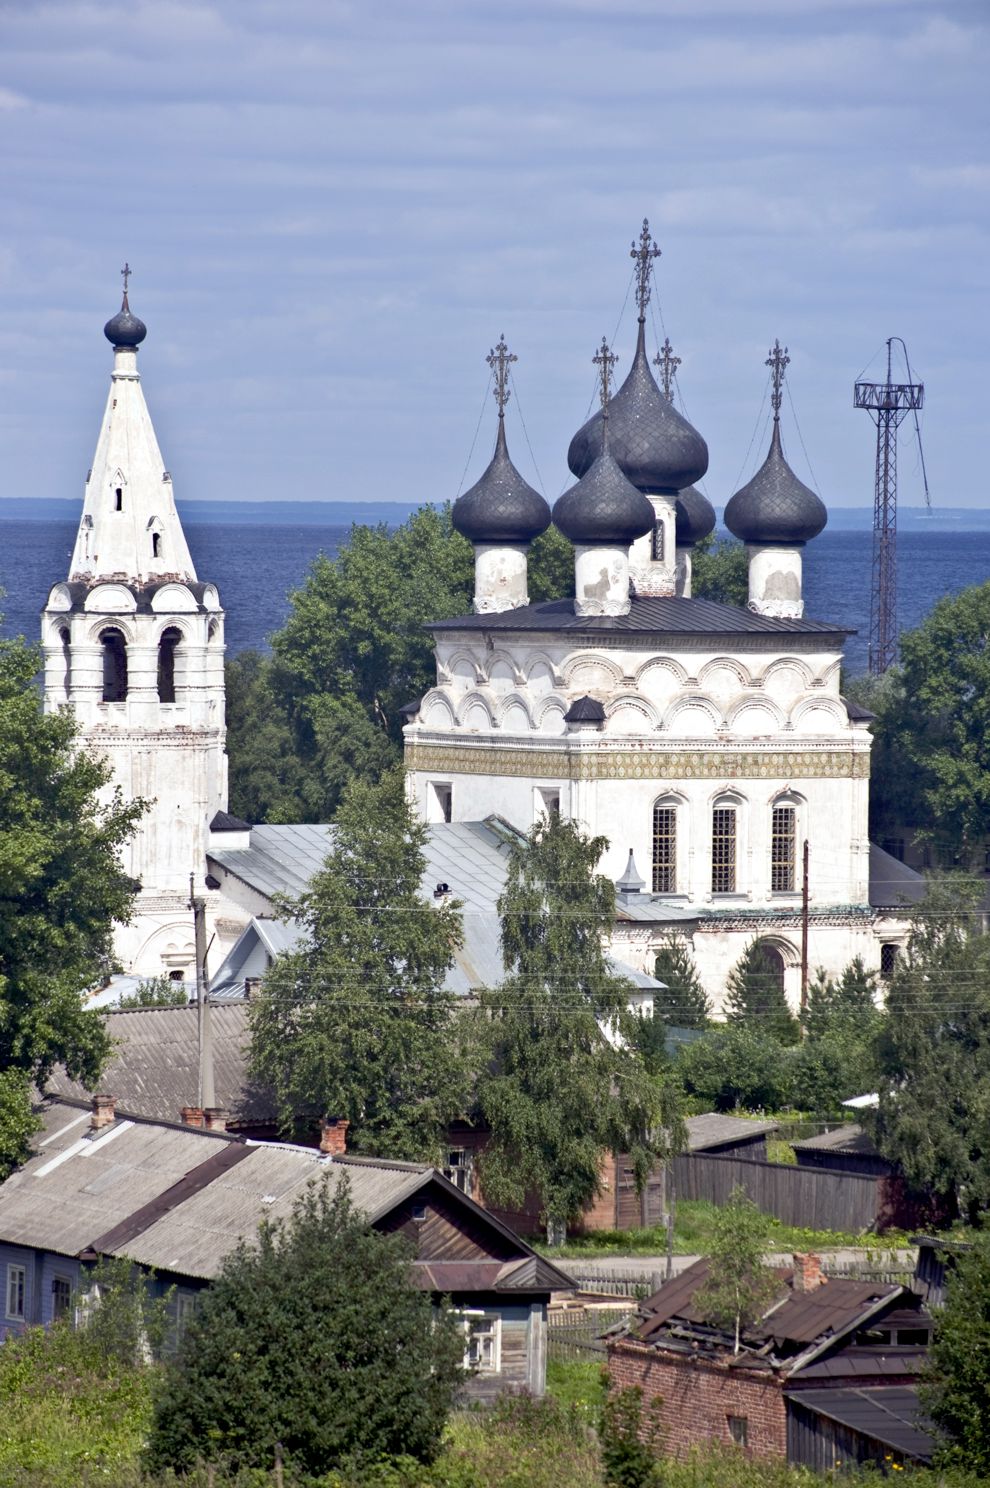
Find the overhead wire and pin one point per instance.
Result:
(477, 428)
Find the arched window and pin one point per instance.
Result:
(156, 545)
(664, 848)
(888, 960)
(114, 665)
(774, 964)
(724, 842)
(65, 638)
(166, 664)
(118, 497)
(783, 849)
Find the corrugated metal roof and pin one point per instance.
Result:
(867, 1363)
(849, 1138)
(280, 860)
(889, 1413)
(653, 617)
(714, 1130)
(154, 1069)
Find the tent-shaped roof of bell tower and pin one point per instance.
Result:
(129, 531)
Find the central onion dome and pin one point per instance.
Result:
(501, 507)
(604, 507)
(655, 446)
(124, 329)
(694, 515)
(775, 508)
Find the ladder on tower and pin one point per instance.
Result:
(888, 404)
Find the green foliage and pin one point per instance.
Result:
(847, 1006)
(61, 889)
(156, 992)
(739, 1288)
(627, 1459)
(735, 1065)
(551, 567)
(315, 1337)
(934, 1050)
(520, 1443)
(755, 997)
(931, 768)
(124, 1322)
(720, 571)
(956, 1391)
(685, 1002)
(579, 1383)
(557, 1091)
(357, 1023)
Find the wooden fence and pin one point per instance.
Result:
(614, 1281)
(809, 1197)
(577, 1335)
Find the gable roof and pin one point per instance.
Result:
(889, 1414)
(712, 1129)
(650, 617)
(178, 1199)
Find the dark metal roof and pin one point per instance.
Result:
(857, 1363)
(694, 517)
(501, 506)
(655, 446)
(585, 710)
(889, 1414)
(893, 884)
(223, 821)
(848, 1138)
(604, 507)
(711, 1129)
(124, 329)
(857, 714)
(775, 507)
(654, 617)
(80, 589)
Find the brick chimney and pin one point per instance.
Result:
(104, 1109)
(808, 1272)
(333, 1136)
(214, 1118)
(191, 1116)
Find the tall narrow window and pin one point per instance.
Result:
(888, 960)
(657, 548)
(724, 850)
(16, 1277)
(66, 640)
(664, 849)
(114, 666)
(118, 497)
(783, 843)
(156, 545)
(61, 1297)
(166, 664)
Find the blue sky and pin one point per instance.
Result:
(333, 209)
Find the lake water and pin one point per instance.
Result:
(255, 568)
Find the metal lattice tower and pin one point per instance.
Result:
(888, 403)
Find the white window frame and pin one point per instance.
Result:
(546, 802)
(469, 1318)
(60, 1276)
(439, 801)
(459, 1173)
(185, 1311)
(16, 1277)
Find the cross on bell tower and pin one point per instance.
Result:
(777, 361)
(644, 256)
(499, 360)
(605, 359)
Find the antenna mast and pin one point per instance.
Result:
(888, 404)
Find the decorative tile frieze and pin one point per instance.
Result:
(711, 763)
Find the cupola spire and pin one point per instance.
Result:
(668, 364)
(644, 254)
(500, 359)
(777, 361)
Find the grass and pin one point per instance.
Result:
(693, 1223)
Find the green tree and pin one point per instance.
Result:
(838, 1059)
(325, 707)
(735, 1066)
(847, 1005)
(684, 1002)
(931, 769)
(315, 1337)
(357, 1022)
(563, 1084)
(61, 889)
(933, 1116)
(720, 571)
(156, 992)
(956, 1388)
(755, 996)
(739, 1288)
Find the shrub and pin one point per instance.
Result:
(736, 1066)
(629, 1461)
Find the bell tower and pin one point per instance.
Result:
(134, 645)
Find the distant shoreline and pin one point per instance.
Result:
(392, 513)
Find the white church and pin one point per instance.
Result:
(706, 743)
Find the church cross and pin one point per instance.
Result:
(668, 364)
(499, 361)
(777, 361)
(126, 271)
(605, 360)
(644, 256)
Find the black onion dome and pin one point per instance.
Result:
(501, 506)
(694, 517)
(603, 507)
(775, 507)
(656, 448)
(124, 329)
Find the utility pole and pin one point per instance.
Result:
(207, 1094)
(804, 934)
(888, 403)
